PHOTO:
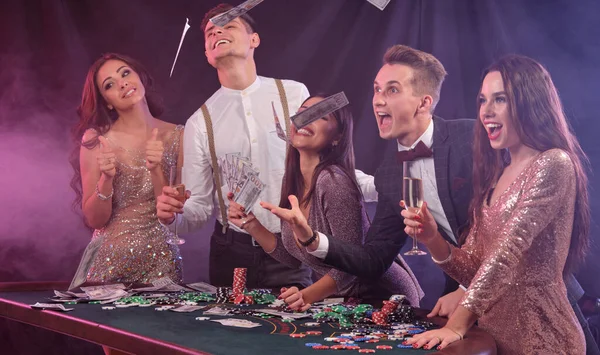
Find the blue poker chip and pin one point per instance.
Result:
(310, 345)
(402, 346)
(415, 331)
(361, 339)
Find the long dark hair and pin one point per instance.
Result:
(341, 155)
(94, 113)
(537, 114)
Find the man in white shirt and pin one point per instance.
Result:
(242, 122)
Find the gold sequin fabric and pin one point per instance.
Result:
(514, 258)
(134, 248)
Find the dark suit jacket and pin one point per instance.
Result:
(452, 154)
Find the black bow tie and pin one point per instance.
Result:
(419, 151)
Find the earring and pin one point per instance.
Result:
(334, 143)
(110, 107)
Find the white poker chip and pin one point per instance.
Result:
(312, 324)
(108, 307)
(202, 318)
(330, 339)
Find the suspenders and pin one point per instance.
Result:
(213, 154)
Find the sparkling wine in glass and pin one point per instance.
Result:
(174, 183)
(412, 193)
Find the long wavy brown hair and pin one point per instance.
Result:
(341, 155)
(537, 114)
(94, 114)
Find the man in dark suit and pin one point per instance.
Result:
(406, 91)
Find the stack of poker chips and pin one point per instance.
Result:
(403, 314)
(222, 294)
(239, 280)
(239, 286)
(381, 317)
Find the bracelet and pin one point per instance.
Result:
(246, 221)
(310, 240)
(445, 260)
(101, 196)
(457, 333)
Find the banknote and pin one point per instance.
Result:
(249, 192)
(280, 132)
(380, 4)
(321, 109)
(226, 17)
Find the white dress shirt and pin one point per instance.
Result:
(423, 168)
(242, 123)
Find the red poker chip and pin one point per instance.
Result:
(352, 347)
(313, 332)
(239, 299)
(372, 341)
(366, 351)
(384, 347)
(320, 347)
(338, 347)
(298, 335)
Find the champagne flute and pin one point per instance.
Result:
(174, 183)
(412, 193)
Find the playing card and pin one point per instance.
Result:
(217, 311)
(52, 306)
(186, 308)
(234, 322)
(321, 109)
(295, 315)
(202, 287)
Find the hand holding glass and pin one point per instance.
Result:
(173, 182)
(412, 193)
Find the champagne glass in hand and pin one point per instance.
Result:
(173, 182)
(412, 193)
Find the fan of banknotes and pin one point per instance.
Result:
(242, 179)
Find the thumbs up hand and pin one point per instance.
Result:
(154, 151)
(107, 158)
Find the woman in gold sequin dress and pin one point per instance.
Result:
(529, 217)
(121, 164)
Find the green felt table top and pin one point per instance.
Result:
(207, 336)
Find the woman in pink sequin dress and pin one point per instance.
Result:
(529, 219)
(121, 163)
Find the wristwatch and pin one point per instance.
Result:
(310, 240)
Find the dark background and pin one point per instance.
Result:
(333, 45)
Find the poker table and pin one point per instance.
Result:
(140, 330)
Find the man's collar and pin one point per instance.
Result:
(426, 137)
(250, 89)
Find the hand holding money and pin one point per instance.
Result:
(294, 217)
(236, 214)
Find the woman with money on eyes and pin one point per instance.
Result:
(320, 182)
